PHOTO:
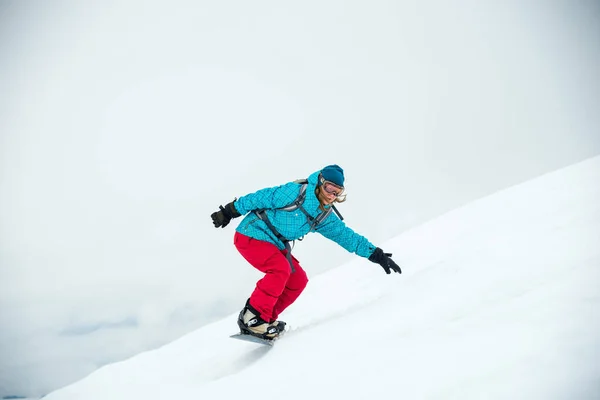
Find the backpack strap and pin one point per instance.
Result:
(337, 212)
(300, 199)
(262, 215)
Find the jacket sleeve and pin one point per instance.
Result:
(335, 229)
(268, 198)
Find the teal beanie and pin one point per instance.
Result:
(333, 173)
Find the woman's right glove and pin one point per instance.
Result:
(385, 260)
(222, 217)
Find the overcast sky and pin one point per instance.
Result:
(124, 125)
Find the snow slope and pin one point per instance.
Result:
(498, 299)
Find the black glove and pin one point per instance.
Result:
(222, 217)
(385, 260)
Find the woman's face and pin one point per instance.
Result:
(328, 192)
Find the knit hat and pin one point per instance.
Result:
(333, 173)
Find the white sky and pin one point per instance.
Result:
(506, 307)
(123, 126)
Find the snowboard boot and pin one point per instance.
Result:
(251, 323)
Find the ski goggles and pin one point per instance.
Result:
(332, 188)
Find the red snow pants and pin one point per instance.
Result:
(279, 288)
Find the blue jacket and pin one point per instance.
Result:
(294, 224)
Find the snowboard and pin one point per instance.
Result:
(254, 339)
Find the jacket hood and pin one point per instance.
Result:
(313, 178)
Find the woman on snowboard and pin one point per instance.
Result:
(263, 237)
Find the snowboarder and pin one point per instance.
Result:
(276, 216)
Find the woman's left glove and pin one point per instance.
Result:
(222, 217)
(385, 260)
